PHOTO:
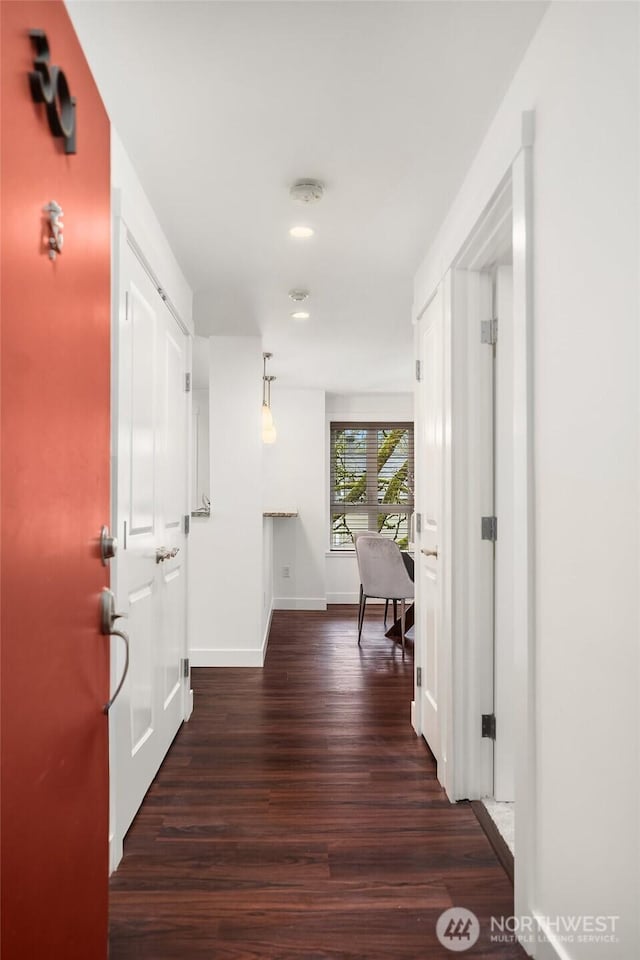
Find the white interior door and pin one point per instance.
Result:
(152, 502)
(504, 760)
(429, 490)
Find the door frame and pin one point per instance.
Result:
(469, 692)
(122, 239)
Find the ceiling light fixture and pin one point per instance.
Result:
(298, 295)
(301, 233)
(301, 315)
(307, 190)
(268, 426)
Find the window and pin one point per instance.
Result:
(371, 481)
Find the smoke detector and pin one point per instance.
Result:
(307, 190)
(298, 295)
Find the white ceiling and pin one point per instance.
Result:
(222, 105)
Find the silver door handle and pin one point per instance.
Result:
(108, 617)
(429, 553)
(163, 554)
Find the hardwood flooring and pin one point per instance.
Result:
(298, 817)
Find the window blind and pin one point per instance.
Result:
(371, 481)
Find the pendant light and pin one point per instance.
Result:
(268, 427)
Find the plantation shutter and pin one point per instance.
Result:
(371, 481)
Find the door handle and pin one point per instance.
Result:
(108, 617)
(429, 553)
(163, 554)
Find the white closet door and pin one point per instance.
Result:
(152, 502)
(429, 474)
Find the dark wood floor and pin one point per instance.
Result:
(298, 817)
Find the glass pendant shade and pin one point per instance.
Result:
(267, 417)
(269, 434)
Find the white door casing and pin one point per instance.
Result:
(466, 244)
(151, 482)
(503, 769)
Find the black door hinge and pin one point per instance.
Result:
(490, 528)
(489, 725)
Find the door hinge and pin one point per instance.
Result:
(418, 676)
(489, 725)
(187, 382)
(418, 517)
(418, 371)
(489, 331)
(490, 528)
(186, 666)
(187, 523)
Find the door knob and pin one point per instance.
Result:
(163, 554)
(108, 546)
(429, 553)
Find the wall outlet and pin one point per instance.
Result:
(286, 572)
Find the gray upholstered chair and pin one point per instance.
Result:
(374, 533)
(382, 575)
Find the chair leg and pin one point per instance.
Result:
(402, 620)
(395, 611)
(386, 610)
(363, 601)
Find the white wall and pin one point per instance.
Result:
(226, 586)
(580, 75)
(131, 203)
(343, 582)
(267, 578)
(295, 469)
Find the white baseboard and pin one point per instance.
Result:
(299, 603)
(414, 721)
(227, 657)
(348, 598)
(549, 946)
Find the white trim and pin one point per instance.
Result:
(547, 946)
(350, 598)
(299, 603)
(228, 657)
(524, 527)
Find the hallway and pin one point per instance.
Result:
(298, 817)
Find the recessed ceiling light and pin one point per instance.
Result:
(301, 232)
(300, 315)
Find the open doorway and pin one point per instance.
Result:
(483, 348)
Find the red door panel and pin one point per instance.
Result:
(55, 362)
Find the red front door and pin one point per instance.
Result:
(55, 497)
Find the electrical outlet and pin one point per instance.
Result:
(286, 572)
